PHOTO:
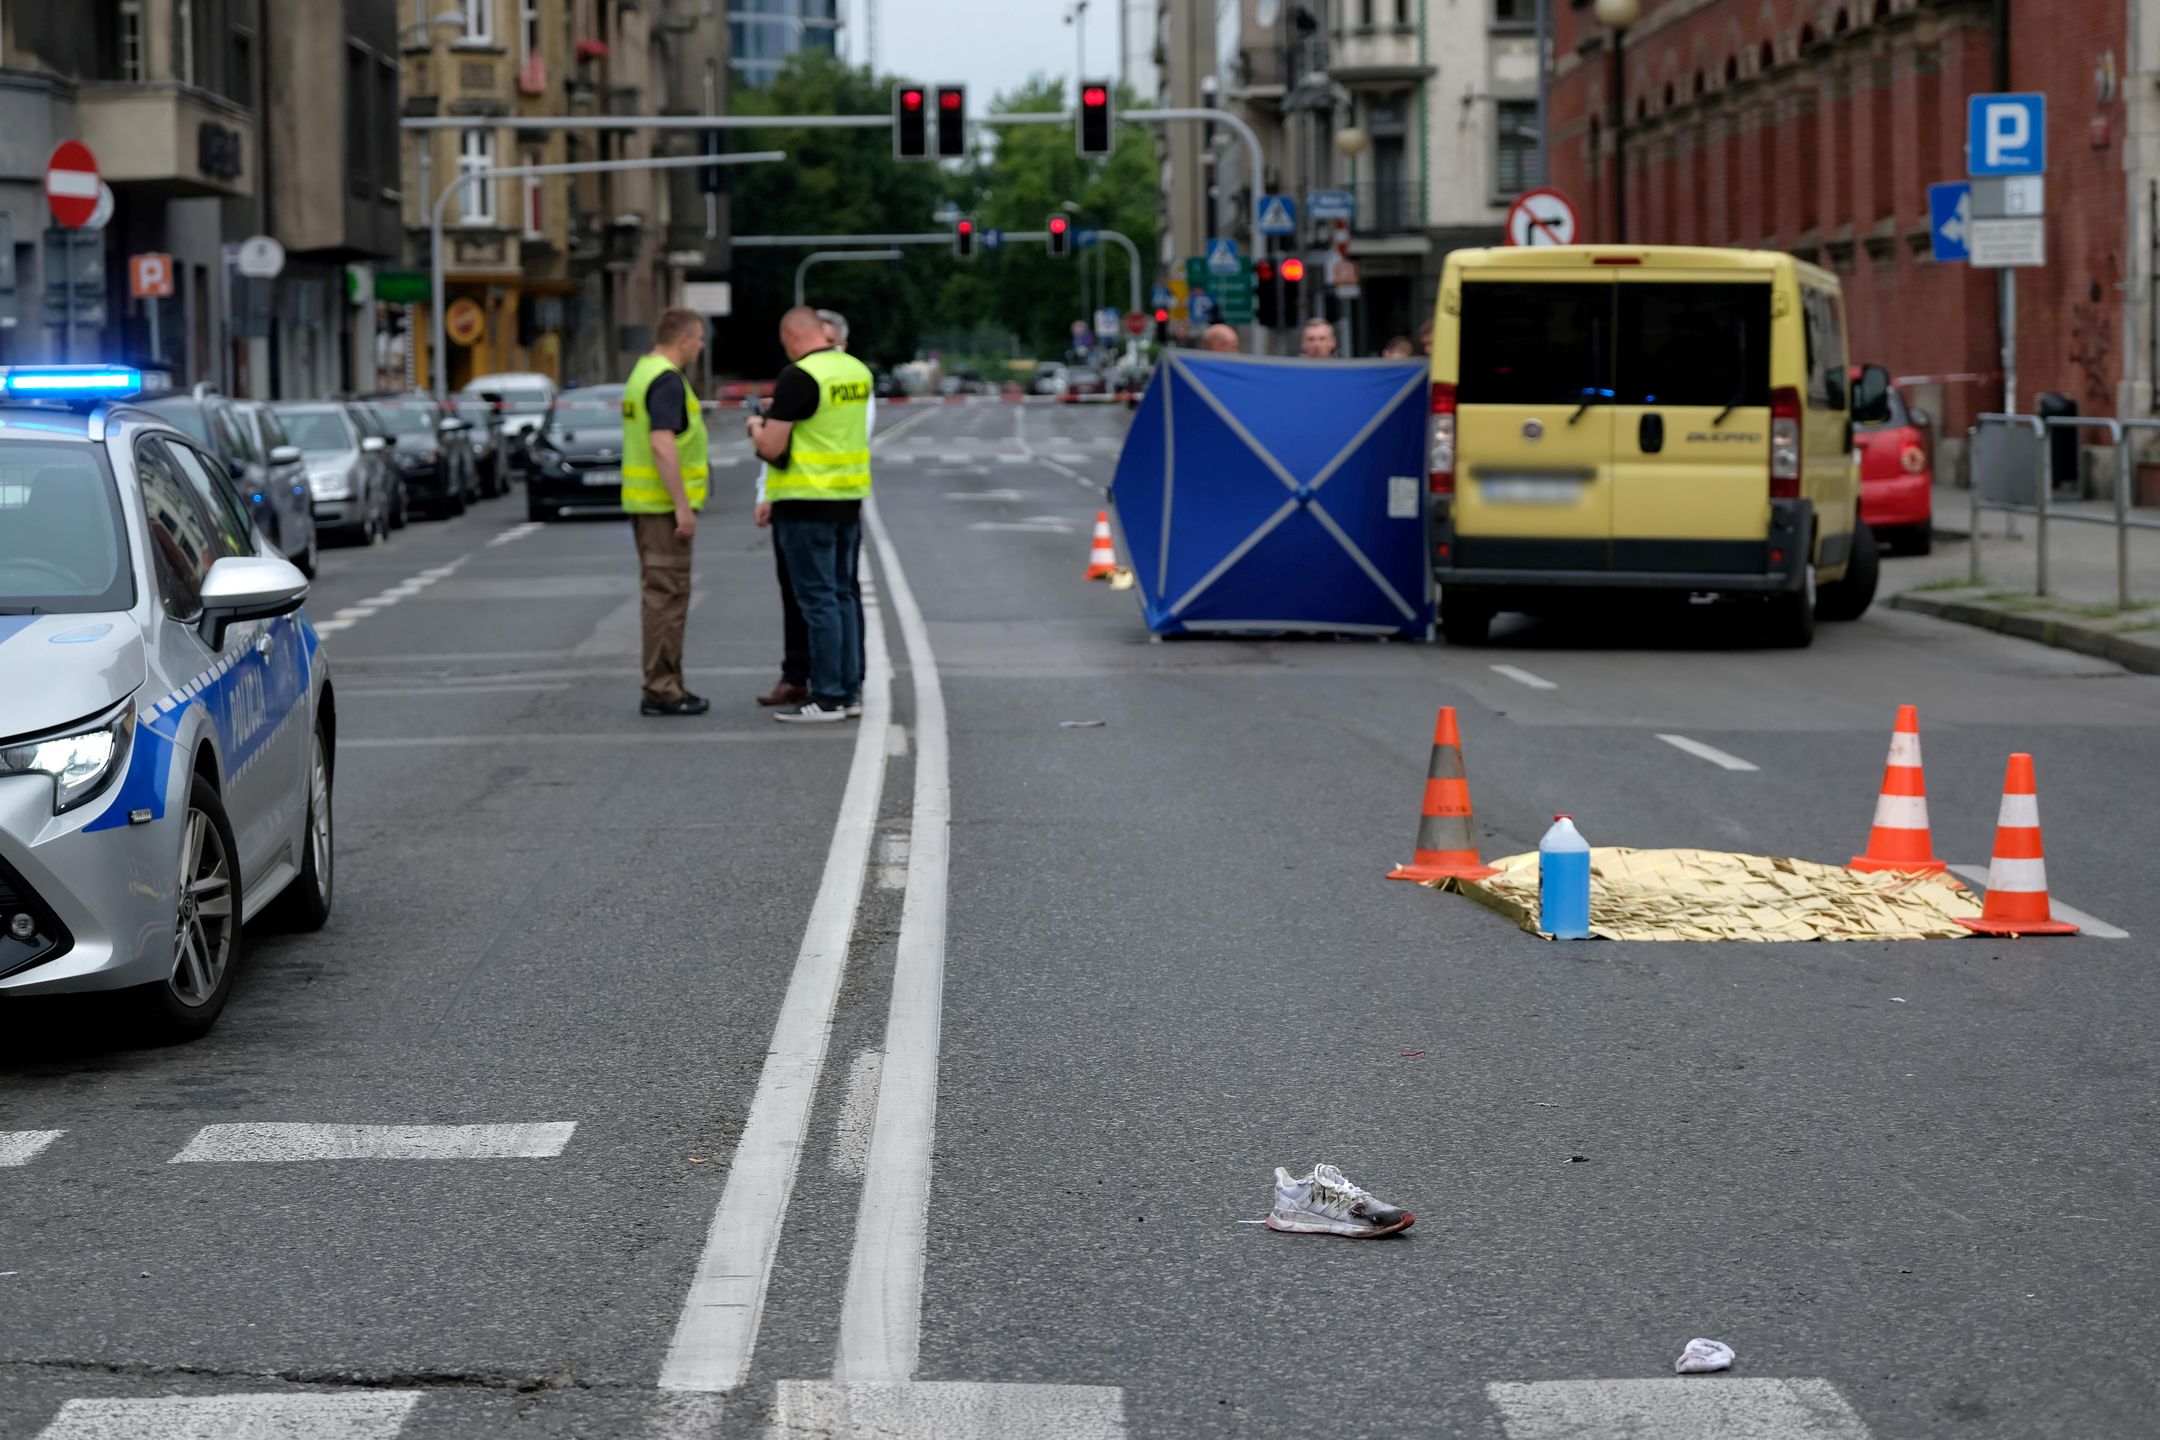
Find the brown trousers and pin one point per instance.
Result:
(664, 584)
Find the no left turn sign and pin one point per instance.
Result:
(1543, 216)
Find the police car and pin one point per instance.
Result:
(167, 728)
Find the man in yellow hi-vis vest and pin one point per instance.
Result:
(815, 436)
(664, 483)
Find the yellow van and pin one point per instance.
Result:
(1645, 418)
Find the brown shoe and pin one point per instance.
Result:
(785, 693)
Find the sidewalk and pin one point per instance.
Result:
(2080, 611)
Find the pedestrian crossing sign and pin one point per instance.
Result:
(1278, 215)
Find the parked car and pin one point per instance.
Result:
(1897, 477)
(886, 386)
(1085, 381)
(483, 419)
(372, 427)
(435, 459)
(346, 471)
(275, 484)
(577, 455)
(1050, 379)
(522, 399)
(166, 718)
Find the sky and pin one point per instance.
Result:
(987, 45)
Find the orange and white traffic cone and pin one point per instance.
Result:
(1102, 559)
(1900, 839)
(2017, 892)
(1446, 836)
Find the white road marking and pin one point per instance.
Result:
(1024, 527)
(20, 1147)
(892, 862)
(370, 1415)
(602, 737)
(1707, 752)
(1524, 677)
(946, 1410)
(1001, 495)
(1722, 1407)
(515, 687)
(241, 1144)
(881, 1316)
(718, 1328)
(851, 1137)
(2087, 924)
(896, 745)
(405, 589)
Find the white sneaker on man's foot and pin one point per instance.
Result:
(1327, 1203)
(810, 713)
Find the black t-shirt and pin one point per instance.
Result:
(795, 399)
(667, 401)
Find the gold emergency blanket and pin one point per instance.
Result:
(1710, 895)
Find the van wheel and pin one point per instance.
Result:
(1792, 617)
(1465, 619)
(1849, 598)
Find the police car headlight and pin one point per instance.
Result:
(79, 762)
(331, 485)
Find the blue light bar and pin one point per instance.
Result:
(65, 382)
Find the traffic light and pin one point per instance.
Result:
(1162, 326)
(910, 123)
(1267, 300)
(963, 238)
(1290, 289)
(1060, 237)
(952, 122)
(1098, 129)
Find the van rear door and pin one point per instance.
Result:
(1534, 424)
(1691, 424)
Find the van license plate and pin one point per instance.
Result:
(601, 477)
(1529, 489)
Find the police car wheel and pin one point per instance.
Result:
(206, 925)
(305, 905)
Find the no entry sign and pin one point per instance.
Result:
(71, 184)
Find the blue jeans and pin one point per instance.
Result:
(820, 555)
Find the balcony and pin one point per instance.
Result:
(1387, 207)
(1263, 73)
(170, 137)
(1377, 55)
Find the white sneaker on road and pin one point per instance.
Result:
(1327, 1202)
(810, 713)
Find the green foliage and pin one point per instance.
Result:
(836, 182)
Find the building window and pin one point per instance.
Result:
(240, 84)
(479, 22)
(1515, 147)
(131, 41)
(184, 41)
(359, 161)
(1514, 12)
(387, 163)
(476, 201)
(535, 200)
(528, 30)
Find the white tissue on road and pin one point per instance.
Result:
(1703, 1355)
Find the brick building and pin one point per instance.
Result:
(1816, 126)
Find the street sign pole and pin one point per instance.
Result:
(157, 351)
(2006, 303)
(67, 278)
(2005, 135)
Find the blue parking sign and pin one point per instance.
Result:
(1950, 221)
(2006, 134)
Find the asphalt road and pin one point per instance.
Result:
(1096, 983)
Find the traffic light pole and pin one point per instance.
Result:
(439, 368)
(834, 257)
(939, 237)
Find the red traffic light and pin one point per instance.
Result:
(967, 227)
(1057, 224)
(1162, 316)
(1263, 270)
(950, 99)
(912, 99)
(1293, 270)
(1095, 95)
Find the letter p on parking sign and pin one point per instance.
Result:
(2006, 134)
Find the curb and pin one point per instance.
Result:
(2132, 652)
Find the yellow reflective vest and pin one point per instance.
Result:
(829, 453)
(642, 492)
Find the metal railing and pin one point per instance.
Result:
(2043, 509)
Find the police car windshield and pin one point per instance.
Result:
(318, 431)
(61, 545)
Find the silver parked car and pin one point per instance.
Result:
(167, 726)
(522, 398)
(353, 486)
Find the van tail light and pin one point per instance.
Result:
(1441, 460)
(1913, 458)
(1785, 444)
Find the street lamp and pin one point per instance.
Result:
(1617, 16)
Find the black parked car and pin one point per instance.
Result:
(484, 415)
(435, 459)
(266, 466)
(575, 456)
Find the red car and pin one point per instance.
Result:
(1897, 478)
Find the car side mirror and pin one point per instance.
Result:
(236, 468)
(1871, 396)
(373, 444)
(285, 455)
(238, 588)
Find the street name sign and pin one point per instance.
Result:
(1331, 205)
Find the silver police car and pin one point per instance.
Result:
(167, 727)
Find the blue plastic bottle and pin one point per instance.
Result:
(1564, 882)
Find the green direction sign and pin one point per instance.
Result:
(1235, 293)
(402, 287)
(1196, 274)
